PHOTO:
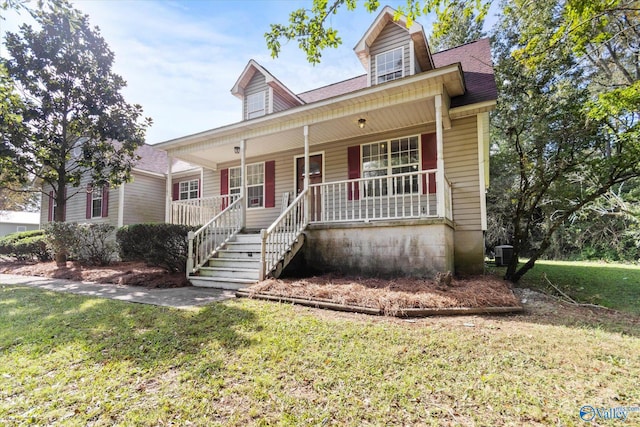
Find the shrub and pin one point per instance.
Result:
(162, 245)
(25, 245)
(88, 243)
(61, 237)
(95, 244)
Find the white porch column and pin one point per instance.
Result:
(440, 186)
(121, 205)
(243, 188)
(307, 205)
(169, 194)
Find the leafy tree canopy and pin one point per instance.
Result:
(309, 27)
(70, 99)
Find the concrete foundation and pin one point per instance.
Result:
(418, 248)
(469, 252)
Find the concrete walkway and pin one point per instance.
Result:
(187, 297)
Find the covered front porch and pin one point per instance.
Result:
(337, 141)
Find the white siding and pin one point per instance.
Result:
(76, 207)
(144, 199)
(257, 84)
(461, 167)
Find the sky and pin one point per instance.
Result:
(181, 58)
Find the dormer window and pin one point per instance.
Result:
(255, 105)
(390, 65)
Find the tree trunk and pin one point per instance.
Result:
(60, 206)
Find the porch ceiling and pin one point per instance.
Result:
(398, 104)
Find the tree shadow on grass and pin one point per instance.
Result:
(545, 310)
(44, 321)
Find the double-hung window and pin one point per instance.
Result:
(255, 105)
(235, 180)
(255, 184)
(188, 190)
(390, 65)
(389, 158)
(96, 202)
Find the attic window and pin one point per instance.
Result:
(255, 105)
(389, 65)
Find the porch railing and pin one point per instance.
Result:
(199, 211)
(281, 235)
(401, 196)
(208, 239)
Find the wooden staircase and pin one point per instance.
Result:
(236, 266)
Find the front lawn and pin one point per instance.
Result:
(612, 285)
(73, 360)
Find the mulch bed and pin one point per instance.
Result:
(393, 297)
(119, 273)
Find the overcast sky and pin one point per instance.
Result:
(181, 58)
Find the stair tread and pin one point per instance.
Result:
(222, 279)
(238, 269)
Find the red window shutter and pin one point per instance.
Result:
(270, 184)
(51, 202)
(353, 162)
(224, 185)
(89, 207)
(105, 201)
(429, 160)
(224, 181)
(175, 194)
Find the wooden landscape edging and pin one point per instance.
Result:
(405, 312)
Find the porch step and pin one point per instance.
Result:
(220, 283)
(236, 266)
(243, 263)
(236, 273)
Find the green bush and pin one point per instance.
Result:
(95, 244)
(162, 245)
(91, 244)
(25, 245)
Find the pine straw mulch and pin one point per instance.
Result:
(391, 296)
(117, 273)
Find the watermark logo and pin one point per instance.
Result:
(589, 413)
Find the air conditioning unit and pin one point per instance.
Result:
(504, 254)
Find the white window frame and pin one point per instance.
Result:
(256, 105)
(96, 202)
(235, 180)
(387, 167)
(235, 188)
(21, 228)
(190, 189)
(389, 74)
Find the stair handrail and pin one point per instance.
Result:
(210, 238)
(283, 233)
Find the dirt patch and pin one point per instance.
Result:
(121, 273)
(391, 296)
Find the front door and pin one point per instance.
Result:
(315, 177)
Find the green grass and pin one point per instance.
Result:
(611, 285)
(73, 360)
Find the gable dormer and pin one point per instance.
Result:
(261, 93)
(389, 50)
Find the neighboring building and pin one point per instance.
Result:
(142, 200)
(13, 222)
(398, 161)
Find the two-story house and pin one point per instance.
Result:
(381, 174)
